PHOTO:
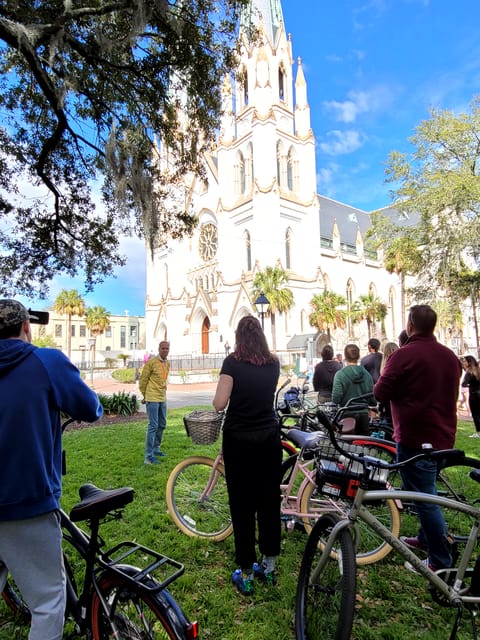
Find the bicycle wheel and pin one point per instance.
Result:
(15, 602)
(326, 587)
(135, 613)
(370, 547)
(197, 499)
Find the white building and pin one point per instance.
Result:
(260, 208)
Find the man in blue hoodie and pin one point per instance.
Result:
(35, 386)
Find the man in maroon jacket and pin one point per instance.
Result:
(421, 381)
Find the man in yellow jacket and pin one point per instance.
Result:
(153, 387)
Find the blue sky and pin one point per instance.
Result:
(374, 69)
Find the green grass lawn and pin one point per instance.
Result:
(391, 603)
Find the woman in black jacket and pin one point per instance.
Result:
(471, 380)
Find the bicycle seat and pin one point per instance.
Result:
(96, 503)
(305, 439)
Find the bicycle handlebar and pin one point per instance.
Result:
(450, 456)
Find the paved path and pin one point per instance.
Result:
(178, 395)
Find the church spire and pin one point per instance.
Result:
(269, 12)
(302, 109)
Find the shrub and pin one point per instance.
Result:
(120, 404)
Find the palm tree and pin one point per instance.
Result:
(401, 257)
(97, 320)
(69, 303)
(327, 314)
(272, 283)
(371, 309)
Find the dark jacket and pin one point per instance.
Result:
(35, 385)
(323, 376)
(421, 382)
(372, 363)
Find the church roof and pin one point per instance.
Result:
(349, 220)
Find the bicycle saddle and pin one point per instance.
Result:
(96, 503)
(305, 439)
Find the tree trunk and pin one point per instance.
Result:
(69, 336)
(274, 337)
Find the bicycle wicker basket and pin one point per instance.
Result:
(203, 427)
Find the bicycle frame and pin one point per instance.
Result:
(358, 511)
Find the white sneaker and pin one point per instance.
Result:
(475, 435)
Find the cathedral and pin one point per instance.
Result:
(258, 207)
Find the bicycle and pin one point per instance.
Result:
(197, 499)
(116, 600)
(326, 588)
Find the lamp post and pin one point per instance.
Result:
(91, 344)
(261, 302)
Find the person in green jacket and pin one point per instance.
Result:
(153, 387)
(352, 381)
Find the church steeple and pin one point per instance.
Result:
(269, 12)
(302, 109)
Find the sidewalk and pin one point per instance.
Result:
(109, 385)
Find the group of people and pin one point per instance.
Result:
(417, 381)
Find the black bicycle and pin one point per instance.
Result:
(124, 592)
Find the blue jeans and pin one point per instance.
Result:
(422, 477)
(157, 421)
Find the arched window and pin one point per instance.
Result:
(239, 174)
(391, 304)
(281, 165)
(288, 243)
(242, 174)
(281, 83)
(249, 168)
(248, 247)
(292, 170)
(243, 80)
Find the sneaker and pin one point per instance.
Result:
(414, 543)
(426, 562)
(259, 572)
(243, 582)
(475, 435)
(159, 454)
(151, 461)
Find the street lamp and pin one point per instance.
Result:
(261, 302)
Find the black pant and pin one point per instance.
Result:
(253, 468)
(474, 405)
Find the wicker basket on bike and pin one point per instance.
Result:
(203, 427)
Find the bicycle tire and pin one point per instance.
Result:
(325, 605)
(209, 518)
(135, 612)
(15, 602)
(370, 547)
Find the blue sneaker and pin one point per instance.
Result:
(151, 461)
(159, 454)
(243, 582)
(268, 577)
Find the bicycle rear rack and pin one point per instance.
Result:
(159, 568)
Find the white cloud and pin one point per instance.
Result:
(341, 142)
(358, 102)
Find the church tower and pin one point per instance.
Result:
(258, 207)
